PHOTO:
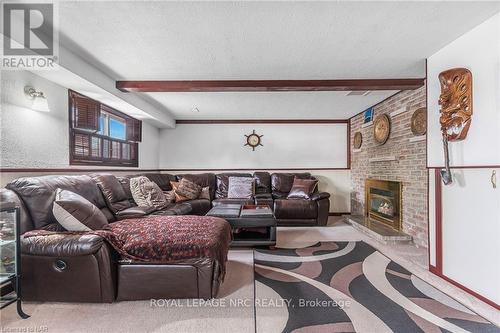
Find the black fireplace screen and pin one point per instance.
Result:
(382, 202)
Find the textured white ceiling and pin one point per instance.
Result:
(147, 40)
(268, 105)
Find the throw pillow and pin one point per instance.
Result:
(75, 213)
(205, 193)
(302, 188)
(178, 197)
(188, 189)
(169, 196)
(147, 193)
(240, 188)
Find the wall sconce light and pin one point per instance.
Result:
(39, 99)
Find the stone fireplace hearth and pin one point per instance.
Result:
(382, 217)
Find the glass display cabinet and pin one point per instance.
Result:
(10, 256)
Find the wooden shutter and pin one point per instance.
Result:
(133, 152)
(116, 150)
(96, 147)
(106, 149)
(86, 113)
(81, 145)
(134, 130)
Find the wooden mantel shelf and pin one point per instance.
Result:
(382, 159)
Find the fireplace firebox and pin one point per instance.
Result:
(383, 202)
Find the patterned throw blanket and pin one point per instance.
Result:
(165, 239)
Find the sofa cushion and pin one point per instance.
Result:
(264, 199)
(113, 192)
(178, 197)
(147, 193)
(205, 193)
(169, 196)
(302, 188)
(188, 189)
(134, 212)
(240, 188)
(75, 213)
(262, 182)
(202, 179)
(175, 209)
(223, 183)
(161, 179)
(38, 195)
(125, 182)
(199, 206)
(295, 209)
(281, 183)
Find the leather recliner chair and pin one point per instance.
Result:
(298, 212)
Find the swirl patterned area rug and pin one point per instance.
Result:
(350, 287)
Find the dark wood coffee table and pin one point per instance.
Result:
(252, 225)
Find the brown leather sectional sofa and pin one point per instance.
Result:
(84, 268)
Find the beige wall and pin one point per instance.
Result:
(221, 146)
(292, 146)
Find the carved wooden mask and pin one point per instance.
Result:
(456, 103)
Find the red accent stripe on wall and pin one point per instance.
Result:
(260, 121)
(348, 144)
(438, 227)
(19, 170)
(253, 169)
(80, 170)
(493, 166)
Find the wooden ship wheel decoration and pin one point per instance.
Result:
(381, 128)
(358, 140)
(419, 122)
(456, 110)
(253, 140)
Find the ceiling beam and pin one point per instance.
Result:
(269, 85)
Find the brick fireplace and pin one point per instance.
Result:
(402, 158)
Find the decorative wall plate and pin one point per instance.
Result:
(358, 140)
(254, 140)
(419, 122)
(381, 128)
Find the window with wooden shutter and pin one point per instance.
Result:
(81, 145)
(134, 130)
(85, 113)
(101, 135)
